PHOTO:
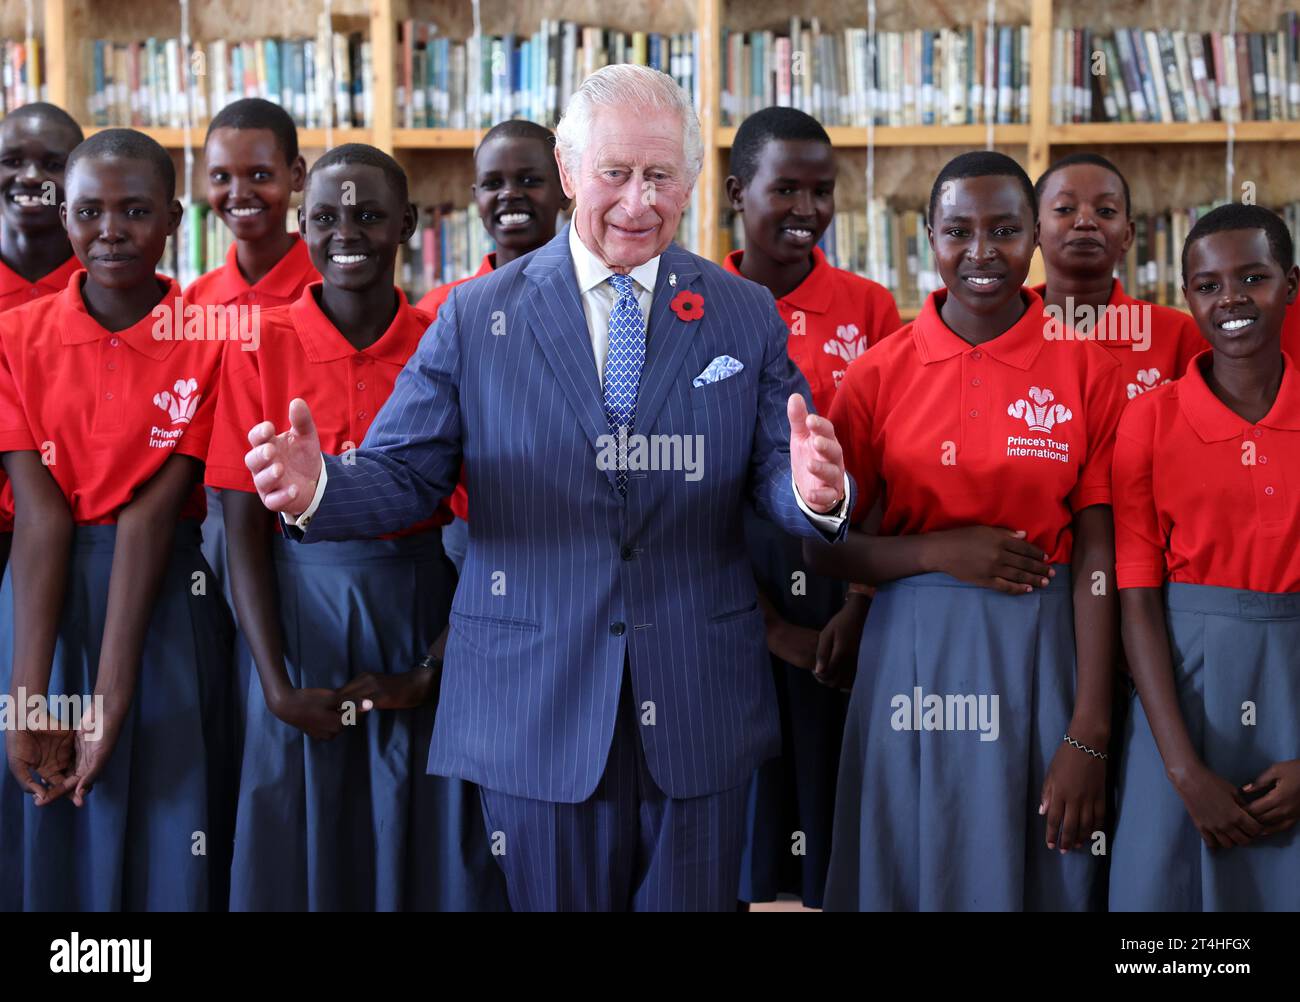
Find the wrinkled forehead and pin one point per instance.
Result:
(636, 137)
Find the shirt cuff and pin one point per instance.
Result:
(830, 523)
(304, 520)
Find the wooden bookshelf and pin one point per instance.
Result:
(308, 139)
(855, 137)
(1106, 133)
(65, 25)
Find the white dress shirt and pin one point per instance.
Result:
(598, 298)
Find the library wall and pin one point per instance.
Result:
(499, 17)
(1185, 15)
(13, 18)
(746, 15)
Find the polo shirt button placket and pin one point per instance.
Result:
(974, 393)
(360, 363)
(1272, 505)
(109, 412)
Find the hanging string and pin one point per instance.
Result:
(476, 97)
(990, 43)
(187, 123)
(1230, 156)
(872, 70)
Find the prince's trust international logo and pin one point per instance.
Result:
(1147, 379)
(179, 404)
(1042, 414)
(849, 344)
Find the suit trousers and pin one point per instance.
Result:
(627, 847)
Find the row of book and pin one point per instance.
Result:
(892, 248)
(444, 83)
(324, 81)
(961, 76)
(22, 76)
(1144, 75)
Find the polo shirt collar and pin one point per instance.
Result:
(1118, 299)
(592, 272)
(488, 266)
(323, 342)
(1214, 421)
(814, 294)
(282, 281)
(1017, 347)
(79, 327)
(55, 281)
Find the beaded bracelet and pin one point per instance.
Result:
(1082, 747)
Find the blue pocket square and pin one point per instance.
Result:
(722, 367)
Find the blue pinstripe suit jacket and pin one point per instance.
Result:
(564, 578)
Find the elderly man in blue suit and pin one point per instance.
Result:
(615, 400)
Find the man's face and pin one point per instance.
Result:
(631, 187)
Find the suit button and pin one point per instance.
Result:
(618, 629)
(627, 553)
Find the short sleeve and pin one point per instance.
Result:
(851, 415)
(1139, 541)
(239, 408)
(1104, 401)
(15, 431)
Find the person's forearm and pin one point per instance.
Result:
(1146, 642)
(1095, 624)
(249, 530)
(866, 559)
(146, 531)
(41, 548)
(6, 544)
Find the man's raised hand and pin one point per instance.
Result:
(815, 457)
(286, 467)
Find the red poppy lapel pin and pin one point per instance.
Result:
(687, 305)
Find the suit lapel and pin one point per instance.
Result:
(669, 339)
(555, 314)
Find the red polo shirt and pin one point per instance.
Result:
(1170, 336)
(434, 298)
(282, 285)
(107, 407)
(1204, 496)
(1291, 329)
(1016, 432)
(833, 316)
(303, 355)
(16, 290)
(430, 304)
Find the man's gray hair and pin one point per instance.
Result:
(628, 87)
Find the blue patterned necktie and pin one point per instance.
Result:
(623, 368)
